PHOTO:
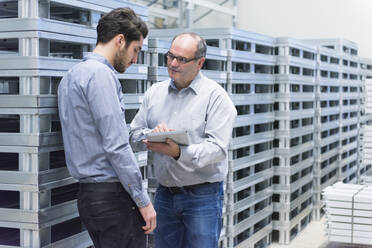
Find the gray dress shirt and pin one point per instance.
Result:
(205, 110)
(95, 135)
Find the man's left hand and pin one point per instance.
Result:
(169, 148)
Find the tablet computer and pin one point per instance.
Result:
(181, 137)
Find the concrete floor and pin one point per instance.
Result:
(314, 236)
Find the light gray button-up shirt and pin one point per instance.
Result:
(95, 134)
(203, 109)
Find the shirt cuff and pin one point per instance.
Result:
(142, 200)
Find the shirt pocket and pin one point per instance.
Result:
(195, 125)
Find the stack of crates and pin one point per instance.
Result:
(40, 41)
(366, 67)
(157, 72)
(366, 178)
(294, 139)
(350, 105)
(352, 102)
(299, 106)
(251, 64)
(249, 67)
(366, 129)
(328, 90)
(348, 214)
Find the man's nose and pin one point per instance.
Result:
(134, 60)
(174, 62)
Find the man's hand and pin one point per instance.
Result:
(162, 127)
(169, 148)
(149, 216)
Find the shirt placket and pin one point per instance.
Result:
(177, 107)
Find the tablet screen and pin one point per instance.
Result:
(180, 137)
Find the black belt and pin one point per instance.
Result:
(102, 187)
(184, 189)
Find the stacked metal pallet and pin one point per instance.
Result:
(366, 69)
(157, 71)
(294, 153)
(327, 121)
(350, 104)
(298, 112)
(249, 67)
(351, 101)
(250, 84)
(40, 41)
(366, 178)
(349, 215)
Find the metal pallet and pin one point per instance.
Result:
(40, 41)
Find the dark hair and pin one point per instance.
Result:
(201, 47)
(121, 21)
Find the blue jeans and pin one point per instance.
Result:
(192, 219)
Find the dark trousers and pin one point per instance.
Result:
(110, 216)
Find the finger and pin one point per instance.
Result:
(153, 146)
(148, 225)
(159, 126)
(153, 226)
(149, 145)
(153, 223)
(171, 142)
(174, 148)
(163, 128)
(148, 231)
(166, 128)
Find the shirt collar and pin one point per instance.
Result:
(195, 84)
(99, 58)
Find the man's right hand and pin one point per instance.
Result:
(162, 127)
(149, 216)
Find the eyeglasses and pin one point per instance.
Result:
(180, 59)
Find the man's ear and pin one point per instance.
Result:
(119, 40)
(201, 62)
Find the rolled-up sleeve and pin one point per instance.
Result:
(102, 96)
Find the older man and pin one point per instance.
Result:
(189, 198)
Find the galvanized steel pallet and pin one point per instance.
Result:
(244, 63)
(40, 210)
(348, 215)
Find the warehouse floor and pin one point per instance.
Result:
(314, 236)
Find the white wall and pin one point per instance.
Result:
(310, 19)
(214, 19)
